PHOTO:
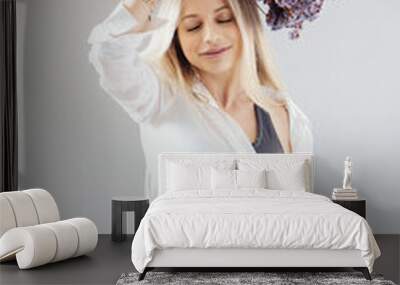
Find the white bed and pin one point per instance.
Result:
(249, 227)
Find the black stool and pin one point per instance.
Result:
(137, 204)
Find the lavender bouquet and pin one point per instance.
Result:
(290, 13)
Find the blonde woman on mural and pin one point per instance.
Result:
(197, 77)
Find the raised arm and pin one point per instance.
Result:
(141, 11)
(115, 43)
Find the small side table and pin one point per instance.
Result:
(121, 204)
(358, 206)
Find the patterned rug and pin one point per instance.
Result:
(269, 278)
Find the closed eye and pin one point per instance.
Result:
(225, 21)
(218, 21)
(194, 28)
(225, 16)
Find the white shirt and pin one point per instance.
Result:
(170, 121)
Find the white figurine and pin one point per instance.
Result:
(347, 173)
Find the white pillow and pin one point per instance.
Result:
(287, 179)
(227, 179)
(192, 174)
(187, 177)
(223, 179)
(251, 178)
(284, 174)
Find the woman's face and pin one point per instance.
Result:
(209, 36)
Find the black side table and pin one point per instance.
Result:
(122, 204)
(358, 206)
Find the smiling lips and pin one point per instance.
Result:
(215, 52)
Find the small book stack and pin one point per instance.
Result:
(344, 194)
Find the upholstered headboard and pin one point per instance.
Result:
(227, 158)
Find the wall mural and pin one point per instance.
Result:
(197, 76)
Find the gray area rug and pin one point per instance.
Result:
(270, 278)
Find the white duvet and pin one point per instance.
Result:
(251, 218)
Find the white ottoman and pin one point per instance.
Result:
(31, 232)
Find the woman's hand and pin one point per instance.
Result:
(141, 9)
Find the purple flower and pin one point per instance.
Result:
(291, 14)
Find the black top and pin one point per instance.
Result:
(267, 140)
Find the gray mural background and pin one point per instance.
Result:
(77, 143)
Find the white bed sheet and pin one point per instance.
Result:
(250, 218)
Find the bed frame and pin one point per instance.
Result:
(249, 259)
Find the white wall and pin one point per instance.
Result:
(80, 145)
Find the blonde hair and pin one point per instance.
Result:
(256, 66)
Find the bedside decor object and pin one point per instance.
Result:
(137, 204)
(358, 206)
(347, 174)
(346, 192)
(31, 231)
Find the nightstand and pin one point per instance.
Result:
(121, 204)
(358, 206)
